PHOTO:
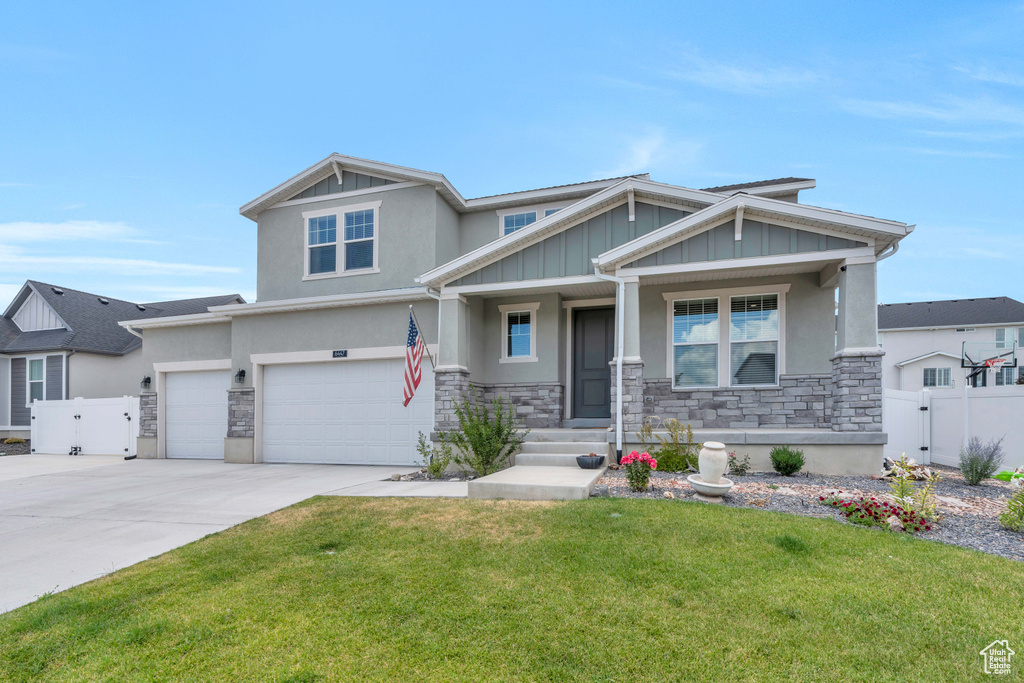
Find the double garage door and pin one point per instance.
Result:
(347, 412)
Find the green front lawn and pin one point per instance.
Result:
(598, 590)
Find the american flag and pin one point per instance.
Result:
(414, 348)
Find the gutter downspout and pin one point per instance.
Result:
(620, 297)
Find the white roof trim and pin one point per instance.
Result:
(927, 355)
(174, 321)
(955, 326)
(333, 301)
(773, 190)
(688, 225)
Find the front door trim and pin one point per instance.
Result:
(569, 306)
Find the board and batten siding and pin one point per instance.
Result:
(54, 378)
(20, 414)
(349, 181)
(758, 239)
(36, 314)
(569, 252)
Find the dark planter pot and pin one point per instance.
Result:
(589, 462)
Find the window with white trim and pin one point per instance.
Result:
(514, 221)
(36, 379)
(754, 339)
(1006, 377)
(349, 251)
(937, 377)
(548, 212)
(1004, 337)
(518, 332)
(695, 343)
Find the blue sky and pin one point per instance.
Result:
(130, 133)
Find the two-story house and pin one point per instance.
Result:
(590, 305)
(924, 341)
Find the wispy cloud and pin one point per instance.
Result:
(654, 152)
(981, 110)
(16, 261)
(15, 185)
(756, 79)
(958, 153)
(24, 232)
(987, 75)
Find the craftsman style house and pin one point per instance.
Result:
(589, 305)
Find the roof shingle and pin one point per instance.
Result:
(983, 311)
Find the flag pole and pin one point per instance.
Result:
(419, 329)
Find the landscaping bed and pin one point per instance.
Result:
(968, 513)
(15, 448)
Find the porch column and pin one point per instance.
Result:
(451, 377)
(632, 363)
(857, 364)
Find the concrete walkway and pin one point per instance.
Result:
(66, 520)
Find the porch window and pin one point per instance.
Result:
(695, 343)
(36, 382)
(519, 332)
(937, 377)
(754, 339)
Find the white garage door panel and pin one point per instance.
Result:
(196, 414)
(347, 412)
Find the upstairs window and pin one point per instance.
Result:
(754, 339)
(514, 221)
(937, 377)
(1004, 337)
(352, 252)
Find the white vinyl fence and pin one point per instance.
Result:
(993, 413)
(86, 426)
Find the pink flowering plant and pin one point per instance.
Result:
(638, 469)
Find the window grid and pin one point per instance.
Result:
(518, 342)
(359, 235)
(937, 377)
(322, 240)
(754, 339)
(1006, 376)
(695, 334)
(515, 221)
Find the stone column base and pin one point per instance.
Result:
(145, 447)
(632, 395)
(239, 450)
(857, 391)
(449, 387)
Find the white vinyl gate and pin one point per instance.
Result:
(86, 426)
(905, 418)
(347, 412)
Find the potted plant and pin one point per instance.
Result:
(590, 462)
(638, 468)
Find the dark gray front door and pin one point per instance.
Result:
(593, 340)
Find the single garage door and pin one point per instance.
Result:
(196, 414)
(347, 412)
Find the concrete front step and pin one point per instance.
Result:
(548, 459)
(536, 483)
(567, 435)
(574, 447)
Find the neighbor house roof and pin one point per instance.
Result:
(91, 320)
(758, 183)
(983, 311)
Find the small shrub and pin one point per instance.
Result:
(1013, 517)
(435, 460)
(737, 466)
(874, 512)
(13, 440)
(980, 461)
(638, 469)
(486, 437)
(787, 461)
(678, 451)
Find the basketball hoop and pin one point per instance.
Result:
(995, 362)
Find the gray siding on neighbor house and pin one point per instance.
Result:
(569, 252)
(5, 396)
(54, 378)
(19, 412)
(349, 181)
(759, 239)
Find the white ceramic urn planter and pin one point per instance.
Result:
(712, 461)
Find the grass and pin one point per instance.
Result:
(599, 590)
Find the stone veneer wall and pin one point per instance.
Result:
(633, 391)
(857, 392)
(449, 386)
(147, 414)
(800, 401)
(242, 412)
(538, 404)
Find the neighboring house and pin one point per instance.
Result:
(58, 343)
(594, 304)
(923, 341)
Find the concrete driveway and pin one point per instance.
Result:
(66, 520)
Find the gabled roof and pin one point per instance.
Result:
(707, 208)
(951, 313)
(775, 183)
(927, 355)
(91, 324)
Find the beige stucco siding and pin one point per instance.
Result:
(190, 343)
(810, 322)
(92, 375)
(407, 245)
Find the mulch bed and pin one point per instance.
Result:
(969, 514)
(15, 448)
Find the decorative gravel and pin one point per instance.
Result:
(447, 476)
(969, 514)
(15, 448)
